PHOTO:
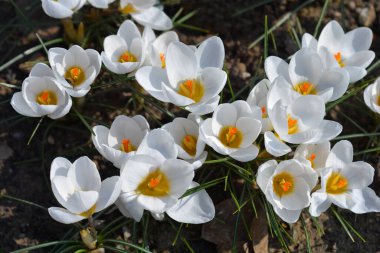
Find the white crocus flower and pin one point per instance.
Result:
(345, 183)
(315, 154)
(78, 188)
(125, 52)
(258, 97)
(287, 186)
(186, 137)
(232, 130)
(61, 8)
(154, 180)
(192, 78)
(75, 68)
(349, 51)
(41, 95)
(306, 74)
(146, 13)
(158, 48)
(372, 96)
(296, 120)
(102, 4)
(122, 139)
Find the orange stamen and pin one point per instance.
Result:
(75, 72)
(285, 185)
(342, 182)
(312, 157)
(163, 62)
(338, 58)
(154, 182)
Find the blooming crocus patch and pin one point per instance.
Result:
(246, 136)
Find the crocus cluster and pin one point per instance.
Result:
(157, 166)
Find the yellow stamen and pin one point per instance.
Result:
(338, 58)
(128, 9)
(126, 146)
(127, 57)
(163, 61)
(47, 98)
(75, 76)
(336, 183)
(311, 159)
(230, 136)
(189, 144)
(264, 112)
(305, 88)
(283, 184)
(89, 212)
(192, 89)
(292, 125)
(155, 184)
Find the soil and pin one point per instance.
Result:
(24, 168)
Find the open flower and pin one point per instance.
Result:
(61, 8)
(75, 68)
(102, 4)
(122, 139)
(232, 130)
(348, 51)
(78, 188)
(306, 74)
(296, 120)
(315, 154)
(154, 178)
(258, 97)
(191, 78)
(185, 133)
(41, 95)
(287, 186)
(372, 96)
(125, 52)
(146, 13)
(158, 48)
(345, 183)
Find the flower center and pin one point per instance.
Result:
(89, 212)
(128, 9)
(311, 159)
(126, 146)
(378, 100)
(264, 113)
(46, 98)
(192, 89)
(155, 184)
(292, 125)
(163, 61)
(338, 58)
(230, 136)
(305, 88)
(127, 57)
(75, 76)
(283, 184)
(189, 144)
(336, 183)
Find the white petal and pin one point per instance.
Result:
(358, 174)
(81, 201)
(309, 41)
(181, 63)
(309, 110)
(289, 216)
(128, 31)
(245, 154)
(264, 173)
(84, 174)
(124, 127)
(359, 39)
(250, 129)
(62, 110)
(129, 206)
(152, 79)
(360, 59)
(274, 67)
(305, 65)
(100, 138)
(194, 209)
(319, 203)
(299, 198)
(95, 59)
(224, 115)
(180, 174)
(205, 107)
(175, 98)
(64, 216)
(340, 155)
(76, 56)
(258, 92)
(210, 53)
(59, 167)
(274, 146)
(102, 4)
(365, 201)
(55, 9)
(41, 70)
(155, 18)
(356, 73)
(332, 36)
(108, 193)
(20, 106)
(213, 80)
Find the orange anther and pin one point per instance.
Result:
(312, 157)
(338, 57)
(285, 185)
(75, 72)
(341, 183)
(232, 130)
(163, 60)
(263, 110)
(189, 83)
(44, 96)
(154, 182)
(292, 122)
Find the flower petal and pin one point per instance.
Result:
(274, 67)
(340, 155)
(155, 18)
(59, 167)
(64, 216)
(210, 53)
(108, 193)
(84, 175)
